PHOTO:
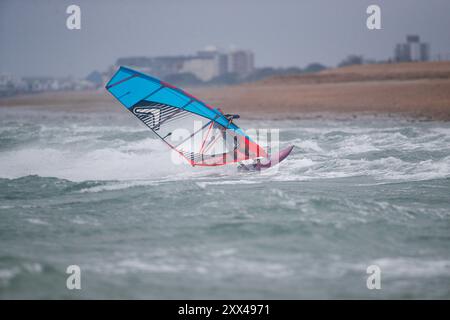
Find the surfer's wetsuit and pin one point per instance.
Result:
(256, 166)
(230, 118)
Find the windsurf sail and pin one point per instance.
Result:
(201, 134)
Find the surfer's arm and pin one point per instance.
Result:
(231, 116)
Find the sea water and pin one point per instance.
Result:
(98, 191)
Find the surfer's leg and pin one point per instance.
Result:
(257, 165)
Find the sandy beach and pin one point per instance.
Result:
(415, 90)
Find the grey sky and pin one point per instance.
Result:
(34, 39)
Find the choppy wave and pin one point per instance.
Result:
(104, 194)
(81, 151)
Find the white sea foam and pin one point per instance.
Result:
(226, 182)
(308, 145)
(6, 275)
(414, 267)
(100, 164)
(120, 185)
(37, 221)
(324, 150)
(406, 267)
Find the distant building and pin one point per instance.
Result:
(158, 66)
(205, 65)
(241, 62)
(95, 78)
(220, 59)
(10, 85)
(424, 52)
(203, 68)
(402, 52)
(412, 50)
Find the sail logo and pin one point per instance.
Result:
(152, 116)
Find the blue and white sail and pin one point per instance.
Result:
(209, 138)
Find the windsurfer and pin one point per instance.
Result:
(255, 166)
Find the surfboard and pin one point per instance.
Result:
(276, 158)
(266, 163)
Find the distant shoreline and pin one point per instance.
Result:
(411, 90)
